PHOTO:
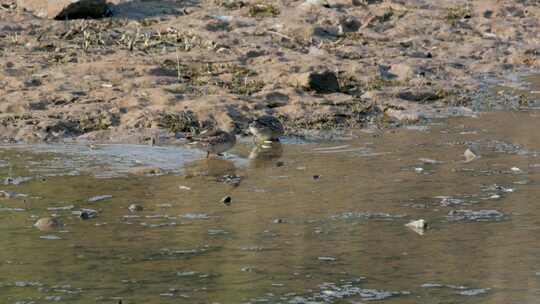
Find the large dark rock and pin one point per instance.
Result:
(66, 9)
(320, 82)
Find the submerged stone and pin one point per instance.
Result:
(48, 223)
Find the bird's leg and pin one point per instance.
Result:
(207, 154)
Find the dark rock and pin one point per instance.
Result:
(320, 82)
(421, 95)
(349, 24)
(67, 9)
(226, 200)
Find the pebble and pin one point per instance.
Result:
(469, 155)
(48, 223)
(135, 208)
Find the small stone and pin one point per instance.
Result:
(279, 221)
(135, 208)
(322, 3)
(469, 155)
(280, 164)
(226, 200)
(48, 223)
(316, 177)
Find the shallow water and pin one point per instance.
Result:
(320, 222)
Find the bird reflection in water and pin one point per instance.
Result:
(263, 155)
(210, 167)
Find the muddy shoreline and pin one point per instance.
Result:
(157, 69)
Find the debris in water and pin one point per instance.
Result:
(367, 215)
(473, 292)
(316, 177)
(50, 237)
(226, 200)
(216, 231)
(515, 169)
(327, 258)
(430, 161)
(17, 180)
(450, 201)
(480, 215)
(233, 180)
(186, 273)
(12, 209)
(278, 221)
(62, 208)
(99, 198)
(48, 223)
(431, 285)
(498, 188)
(11, 194)
(184, 188)
(196, 216)
(463, 290)
(418, 170)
